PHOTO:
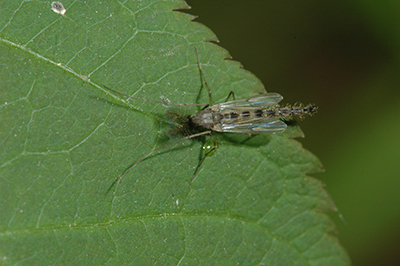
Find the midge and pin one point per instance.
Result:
(258, 114)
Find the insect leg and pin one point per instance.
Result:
(229, 95)
(176, 116)
(204, 78)
(165, 101)
(121, 177)
(202, 160)
(205, 82)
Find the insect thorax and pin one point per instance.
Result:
(206, 119)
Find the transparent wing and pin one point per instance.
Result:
(265, 125)
(259, 101)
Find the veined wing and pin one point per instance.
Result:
(264, 125)
(261, 101)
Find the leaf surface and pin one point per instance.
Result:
(65, 139)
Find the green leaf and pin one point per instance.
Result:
(65, 139)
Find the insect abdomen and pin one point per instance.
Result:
(230, 117)
(234, 116)
(290, 111)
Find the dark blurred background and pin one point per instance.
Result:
(343, 56)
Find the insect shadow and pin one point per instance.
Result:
(259, 114)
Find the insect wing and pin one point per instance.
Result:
(261, 101)
(241, 116)
(265, 125)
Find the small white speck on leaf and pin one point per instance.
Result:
(58, 8)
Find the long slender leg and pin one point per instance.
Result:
(229, 95)
(121, 177)
(166, 102)
(202, 160)
(204, 78)
(181, 118)
(211, 103)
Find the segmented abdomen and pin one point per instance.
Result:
(237, 116)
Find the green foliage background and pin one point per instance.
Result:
(65, 139)
(345, 57)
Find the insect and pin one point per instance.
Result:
(259, 114)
